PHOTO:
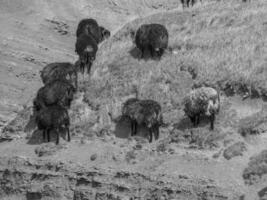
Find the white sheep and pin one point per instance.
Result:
(202, 101)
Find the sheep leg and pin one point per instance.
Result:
(48, 135)
(44, 133)
(197, 119)
(161, 51)
(150, 134)
(152, 53)
(89, 67)
(57, 131)
(142, 52)
(68, 130)
(133, 128)
(212, 119)
(194, 120)
(82, 67)
(156, 132)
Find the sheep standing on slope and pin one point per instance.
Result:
(143, 112)
(86, 48)
(153, 37)
(60, 71)
(53, 118)
(89, 27)
(202, 101)
(57, 92)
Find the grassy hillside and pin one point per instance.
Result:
(221, 45)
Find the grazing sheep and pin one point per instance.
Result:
(146, 112)
(59, 71)
(86, 48)
(153, 37)
(89, 27)
(58, 92)
(202, 101)
(53, 118)
(105, 34)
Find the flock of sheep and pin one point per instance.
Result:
(61, 81)
(53, 100)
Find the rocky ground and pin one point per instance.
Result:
(221, 44)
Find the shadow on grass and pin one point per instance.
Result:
(185, 123)
(123, 129)
(136, 53)
(37, 137)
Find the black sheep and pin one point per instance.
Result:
(89, 27)
(59, 71)
(53, 118)
(58, 92)
(146, 112)
(105, 34)
(86, 48)
(153, 37)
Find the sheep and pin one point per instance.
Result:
(59, 71)
(153, 37)
(105, 34)
(54, 118)
(89, 27)
(187, 2)
(146, 112)
(58, 92)
(202, 101)
(86, 48)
